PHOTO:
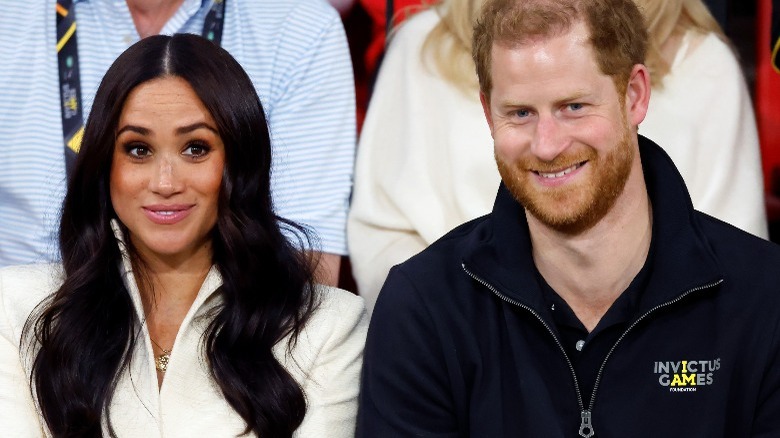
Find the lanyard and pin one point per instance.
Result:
(70, 80)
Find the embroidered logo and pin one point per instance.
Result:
(70, 104)
(686, 375)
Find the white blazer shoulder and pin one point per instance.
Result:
(325, 361)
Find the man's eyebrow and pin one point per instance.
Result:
(512, 104)
(577, 95)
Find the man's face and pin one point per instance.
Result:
(561, 131)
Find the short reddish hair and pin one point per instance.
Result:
(618, 33)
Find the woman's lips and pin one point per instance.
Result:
(167, 214)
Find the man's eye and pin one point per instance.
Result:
(575, 106)
(523, 113)
(196, 150)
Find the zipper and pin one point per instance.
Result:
(634, 324)
(585, 415)
(586, 426)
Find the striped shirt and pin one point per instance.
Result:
(295, 52)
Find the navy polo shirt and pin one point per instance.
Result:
(587, 351)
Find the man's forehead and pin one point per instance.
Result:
(578, 33)
(570, 48)
(547, 71)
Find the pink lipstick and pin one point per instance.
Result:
(167, 214)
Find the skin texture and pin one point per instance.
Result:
(551, 110)
(549, 117)
(328, 267)
(149, 17)
(168, 156)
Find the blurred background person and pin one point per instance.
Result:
(425, 159)
(295, 52)
(700, 110)
(181, 308)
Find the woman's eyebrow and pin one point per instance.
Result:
(133, 128)
(189, 128)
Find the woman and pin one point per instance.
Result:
(701, 113)
(180, 308)
(425, 159)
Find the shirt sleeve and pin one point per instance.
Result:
(404, 386)
(18, 415)
(312, 125)
(332, 385)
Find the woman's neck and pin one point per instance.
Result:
(164, 285)
(672, 45)
(167, 298)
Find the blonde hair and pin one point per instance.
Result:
(448, 45)
(667, 18)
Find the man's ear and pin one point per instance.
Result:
(638, 94)
(486, 110)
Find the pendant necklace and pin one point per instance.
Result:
(161, 361)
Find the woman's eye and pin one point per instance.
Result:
(137, 151)
(196, 150)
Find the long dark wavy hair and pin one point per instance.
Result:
(86, 330)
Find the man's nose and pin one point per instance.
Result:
(549, 138)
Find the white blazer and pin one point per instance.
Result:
(326, 362)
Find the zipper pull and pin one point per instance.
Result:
(586, 428)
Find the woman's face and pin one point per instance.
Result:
(166, 171)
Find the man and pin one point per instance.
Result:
(593, 300)
(295, 52)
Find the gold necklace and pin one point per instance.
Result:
(161, 361)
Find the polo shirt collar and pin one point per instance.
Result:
(501, 253)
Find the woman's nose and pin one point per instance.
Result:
(165, 179)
